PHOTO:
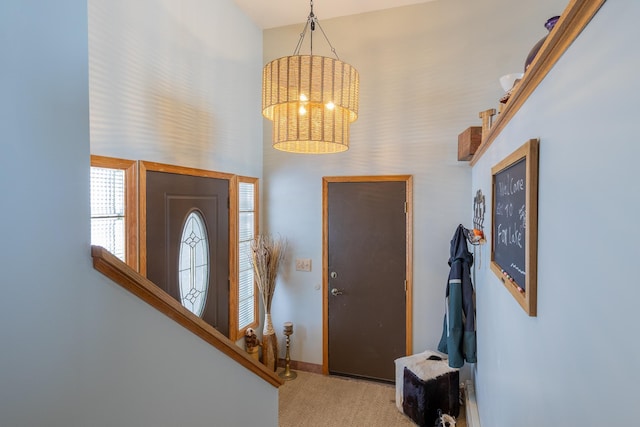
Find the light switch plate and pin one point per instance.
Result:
(303, 264)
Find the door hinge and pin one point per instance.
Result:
(405, 207)
(405, 286)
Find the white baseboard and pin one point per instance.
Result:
(471, 405)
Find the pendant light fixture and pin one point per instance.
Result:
(311, 99)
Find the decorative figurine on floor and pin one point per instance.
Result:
(445, 420)
(250, 339)
(251, 343)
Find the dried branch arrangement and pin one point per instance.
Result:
(266, 254)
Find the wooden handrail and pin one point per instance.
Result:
(112, 267)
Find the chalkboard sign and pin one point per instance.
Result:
(514, 224)
(510, 221)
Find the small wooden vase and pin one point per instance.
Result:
(269, 345)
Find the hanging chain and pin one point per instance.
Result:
(311, 22)
(333, 50)
(296, 51)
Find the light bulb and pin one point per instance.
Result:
(330, 105)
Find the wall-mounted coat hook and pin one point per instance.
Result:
(476, 235)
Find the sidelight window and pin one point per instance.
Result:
(113, 207)
(247, 225)
(107, 210)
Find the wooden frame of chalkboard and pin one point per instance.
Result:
(514, 224)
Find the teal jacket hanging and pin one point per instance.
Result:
(459, 330)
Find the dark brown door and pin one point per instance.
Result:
(170, 199)
(367, 232)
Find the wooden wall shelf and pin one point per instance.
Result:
(573, 20)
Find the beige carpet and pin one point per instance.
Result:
(313, 400)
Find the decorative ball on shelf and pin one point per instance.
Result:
(509, 83)
(509, 80)
(551, 22)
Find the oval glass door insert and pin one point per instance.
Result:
(193, 264)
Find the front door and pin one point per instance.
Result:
(366, 279)
(187, 242)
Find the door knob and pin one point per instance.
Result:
(335, 292)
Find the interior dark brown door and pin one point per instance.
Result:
(170, 198)
(367, 232)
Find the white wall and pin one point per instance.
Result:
(78, 350)
(576, 362)
(426, 72)
(176, 82)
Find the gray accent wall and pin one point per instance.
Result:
(76, 349)
(576, 362)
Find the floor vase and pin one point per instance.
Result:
(269, 344)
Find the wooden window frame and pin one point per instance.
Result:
(236, 332)
(130, 168)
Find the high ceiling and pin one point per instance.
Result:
(277, 13)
